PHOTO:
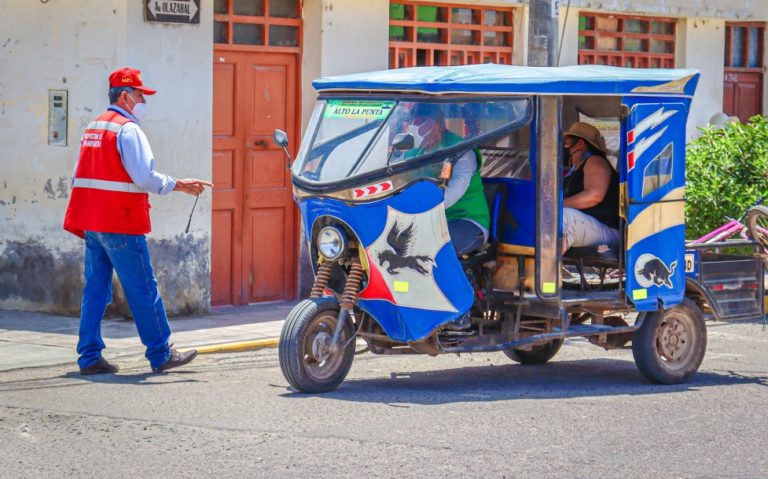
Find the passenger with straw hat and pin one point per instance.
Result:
(590, 190)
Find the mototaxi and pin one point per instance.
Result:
(386, 272)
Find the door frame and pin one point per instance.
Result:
(239, 292)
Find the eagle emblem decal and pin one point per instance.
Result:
(403, 257)
(398, 255)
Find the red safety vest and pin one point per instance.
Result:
(104, 197)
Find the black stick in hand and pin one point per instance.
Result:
(189, 222)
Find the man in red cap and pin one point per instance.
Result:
(109, 208)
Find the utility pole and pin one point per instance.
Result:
(543, 32)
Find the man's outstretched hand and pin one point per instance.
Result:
(192, 186)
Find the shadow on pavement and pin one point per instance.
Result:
(121, 328)
(137, 379)
(74, 379)
(556, 380)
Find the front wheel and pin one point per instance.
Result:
(669, 346)
(537, 355)
(306, 359)
(757, 224)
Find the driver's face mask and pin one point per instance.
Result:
(421, 129)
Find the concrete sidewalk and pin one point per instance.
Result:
(38, 339)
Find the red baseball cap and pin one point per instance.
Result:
(129, 77)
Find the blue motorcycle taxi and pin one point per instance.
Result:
(387, 274)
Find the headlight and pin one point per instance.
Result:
(331, 242)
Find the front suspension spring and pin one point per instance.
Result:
(321, 279)
(354, 278)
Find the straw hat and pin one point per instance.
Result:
(588, 133)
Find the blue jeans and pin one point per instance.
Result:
(129, 257)
(466, 236)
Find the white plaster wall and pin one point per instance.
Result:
(701, 45)
(569, 31)
(520, 40)
(312, 13)
(745, 10)
(342, 36)
(73, 45)
(355, 36)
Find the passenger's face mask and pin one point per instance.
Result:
(568, 145)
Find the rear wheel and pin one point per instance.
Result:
(669, 346)
(306, 359)
(538, 355)
(757, 224)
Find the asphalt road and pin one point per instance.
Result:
(588, 413)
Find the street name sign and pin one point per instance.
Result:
(172, 11)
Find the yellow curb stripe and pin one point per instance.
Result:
(236, 346)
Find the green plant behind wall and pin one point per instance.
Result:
(726, 172)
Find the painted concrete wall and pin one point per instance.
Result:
(743, 10)
(342, 36)
(701, 45)
(73, 46)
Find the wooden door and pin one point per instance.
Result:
(254, 221)
(743, 86)
(743, 94)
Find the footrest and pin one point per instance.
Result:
(577, 329)
(593, 254)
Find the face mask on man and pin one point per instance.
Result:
(420, 132)
(139, 110)
(418, 138)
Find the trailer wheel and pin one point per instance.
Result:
(305, 357)
(538, 355)
(757, 224)
(669, 346)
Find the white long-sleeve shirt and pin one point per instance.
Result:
(137, 158)
(463, 169)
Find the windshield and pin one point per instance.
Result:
(349, 138)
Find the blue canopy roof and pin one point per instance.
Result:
(490, 78)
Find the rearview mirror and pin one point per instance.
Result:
(402, 141)
(281, 138)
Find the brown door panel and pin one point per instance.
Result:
(268, 269)
(224, 169)
(224, 99)
(743, 94)
(268, 170)
(222, 267)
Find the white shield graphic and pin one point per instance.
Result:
(405, 255)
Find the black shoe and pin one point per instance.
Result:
(460, 324)
(101, 366)
(177, 359)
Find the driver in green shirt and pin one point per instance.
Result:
(466, 207)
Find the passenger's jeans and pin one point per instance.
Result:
(466, 236)
(129, 257)
(580, 229)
